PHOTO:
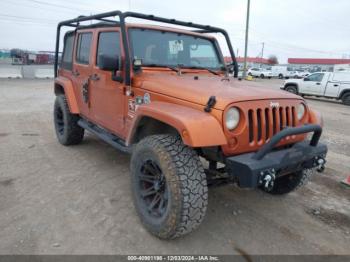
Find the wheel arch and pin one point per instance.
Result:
(148, 126)
(59, 89)
(343, 93)
(293, 85)
(64, 86)
(162, 117)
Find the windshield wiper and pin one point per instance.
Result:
(175, 69)
(204, 68)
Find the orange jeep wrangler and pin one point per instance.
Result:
(165, 96)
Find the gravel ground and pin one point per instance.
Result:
(77, 200)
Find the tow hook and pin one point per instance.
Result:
(320, 163)
(267, 179)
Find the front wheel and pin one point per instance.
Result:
(292, 89)
(262, 76)
(287, 183)
(169, 186)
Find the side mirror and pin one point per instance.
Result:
(306, 79)
(108, 63)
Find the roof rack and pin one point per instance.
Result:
(122, 15)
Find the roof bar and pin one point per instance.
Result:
(122, 16)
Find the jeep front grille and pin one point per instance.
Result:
(263, 123)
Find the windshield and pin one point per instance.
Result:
(156, 47)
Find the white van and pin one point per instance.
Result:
(281, 72)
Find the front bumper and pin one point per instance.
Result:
(250, 169)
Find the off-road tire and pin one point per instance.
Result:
(292, 89)
(68, 131)
(346, 99)
(185, 179)
(291, 182)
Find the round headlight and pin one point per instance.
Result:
(301, 111)
(232, 118)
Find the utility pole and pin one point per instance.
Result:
(246, 40)
(262, 53)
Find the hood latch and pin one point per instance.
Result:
(210, 104)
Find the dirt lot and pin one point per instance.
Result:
(76, 200)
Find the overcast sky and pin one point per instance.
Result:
(289, 28)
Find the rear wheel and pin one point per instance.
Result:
(346, 99)
(292, 89)
(262, 76)
(280, 76)
(169, 186)
(288, 183)
(68, 131)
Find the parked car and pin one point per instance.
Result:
(296, 74)
(260, 72)
(322, 84)
(164, 96)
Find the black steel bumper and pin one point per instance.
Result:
(249, 169)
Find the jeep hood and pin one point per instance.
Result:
(186, 87)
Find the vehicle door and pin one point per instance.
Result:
(107, 93)
(255, 72)
(313, 84)
(82, 70)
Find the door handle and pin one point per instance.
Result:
(318, 84)
(336, 85)
(95, 77)
(76, 73)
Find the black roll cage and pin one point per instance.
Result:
(122, 15)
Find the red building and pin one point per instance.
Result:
(317, 64)
(251, 61)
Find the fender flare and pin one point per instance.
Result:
(315, 117)
(197, 128)
(69, 93)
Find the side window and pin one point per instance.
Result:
(83, 48)
(108, 44)
(316, 77)
(67, 57)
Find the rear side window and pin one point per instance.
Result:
(67, 57)
(108, 44)
(83, 48)
(342, 77)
